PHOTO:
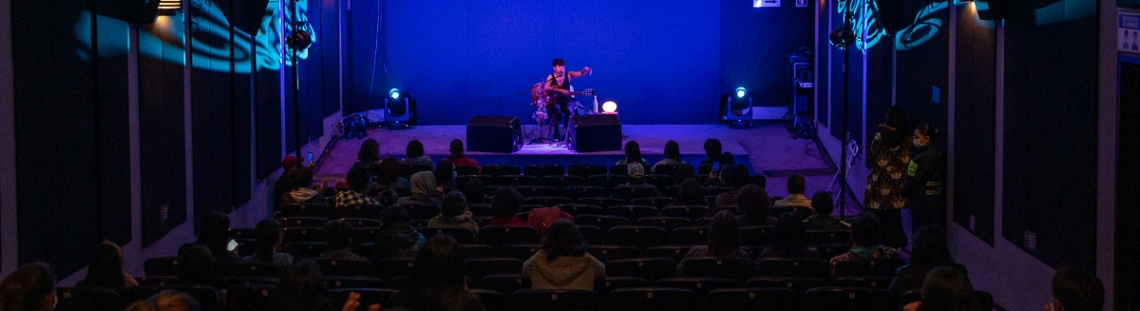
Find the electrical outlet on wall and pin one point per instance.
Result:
(1030, 241)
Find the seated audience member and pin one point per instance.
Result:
(946, 289)
(267, 238)
(737, 177)
(369, 152)
(692, 192)
(167, 300)
(284, 184)
(672, 156)
(454, 214)
(302, 190)
(718, 176)
(197, 265)
(457, 158)
(930, 250)
(389, 175)
(724, 241)
(106, 269)
(214, 234)
(754, 204)
(302, 287)
(563, 263)
(685, 171)
(632, 155)
(338, 238)
(865, 241)
(795, 198)
(357, 194)
(1075, 289)
(397, 238)
(475, 191)
(636, 174)
(822, 206)
(415, 155)
(543, 217)
(423, 191)
(505, 205)
(789, 239)
(445, 175)
(30, 288)
(712, 152)
(437, 280)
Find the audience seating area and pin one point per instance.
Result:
(640, 238)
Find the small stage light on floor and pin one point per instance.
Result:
(737, 108)
(609, 107)
(399, 110)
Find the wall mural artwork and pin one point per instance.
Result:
(869, 31)
(210, 37)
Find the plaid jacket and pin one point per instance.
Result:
(350, 197)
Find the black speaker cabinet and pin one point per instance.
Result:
(494, 134)
(596, 132)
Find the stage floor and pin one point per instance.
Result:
(766, 148)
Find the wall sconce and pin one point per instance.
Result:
(168, 7)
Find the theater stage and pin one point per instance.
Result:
(767, 148)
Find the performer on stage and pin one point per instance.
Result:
(558, 87)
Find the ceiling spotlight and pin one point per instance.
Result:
(168, 7)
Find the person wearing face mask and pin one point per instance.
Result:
(890, 152)
(924, 184)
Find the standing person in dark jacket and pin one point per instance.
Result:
(924, 186)
(890, 152)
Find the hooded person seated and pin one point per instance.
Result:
(423, 191)
(302, 190)
(563, 263)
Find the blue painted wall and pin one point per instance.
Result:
(664, 62)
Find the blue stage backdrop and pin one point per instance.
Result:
(663, 62)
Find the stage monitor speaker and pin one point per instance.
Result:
(494, 134)
(992, 10)
(130, 11)
(595, 132)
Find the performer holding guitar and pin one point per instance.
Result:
(558, 88)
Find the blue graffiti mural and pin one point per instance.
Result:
(209, 37)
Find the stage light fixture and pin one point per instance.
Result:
(740, 92)
(399, 110)
(609, 107)
(736, 108)
(168, 7)
(394, 93)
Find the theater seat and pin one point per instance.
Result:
(532, 299)
(652, 298)
(753, 299)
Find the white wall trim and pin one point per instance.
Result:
(8, 234)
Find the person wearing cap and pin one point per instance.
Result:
(286, 182)
(637, 178)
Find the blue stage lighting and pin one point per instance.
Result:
(740, 92)
(394, 93)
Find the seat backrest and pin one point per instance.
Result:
(650, 269)
(607, 181)
(756, 235)
(632, 212)
(498, 235)
(669, 223)
(518, 180)
(832, 298)
(753, 299)
(417, 211)
(575, 209)
(658, 202)
(718, 267)
(829, 236)
(674, 252)
(701, 286)
(548, 201)
(563, 181)
(360, 211)
(466, 170)
(161, 266)
(619, 169)
(473, 250)
(600, 201)
(88, 299)
(518, 251)
(637, 236)
(795, 284)
(538, 191)
(302, 221)
(302, 234)
(496, 170)
(586, 170)
(880, 282)
(604, 286)
(652, 298)
(335, 282)
(246, 297)
(687, 211)
(629, 193)
(607, 253)
(693, 235)
(477, 268)
(605, 222)
(869, 267)
(241, 269)
(794, 267)
(340, 267)
(389, 268)
(592, 234)
(533, 299)
(504, 283)
(544, 170)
